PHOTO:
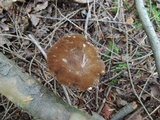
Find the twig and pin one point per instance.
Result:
(45, 56)
(152, 112)
(140, 95)
(38, 45)
(104, 100)
(124, 111)
(86, 22)
(66, 94)
(153, 39)
(109, 79)
(155, 110)
(97, 90)
(134, 90)
(148, 93)
(118, 9)
(64, 17)
(30, 65)
(104, 19)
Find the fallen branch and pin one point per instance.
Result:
(30, 95)
(124, 111)
(153, 39)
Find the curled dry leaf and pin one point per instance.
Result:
(34, 19)
(130, 20)
(75, 62)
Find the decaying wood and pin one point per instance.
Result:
(151, 34)
(124, 111)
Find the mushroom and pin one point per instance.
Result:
(75, 62)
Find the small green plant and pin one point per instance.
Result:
(113, 82)
(126, 5)
(138, 24)
(112, 47)
(115, 7)
(119, 66)
(156, 15)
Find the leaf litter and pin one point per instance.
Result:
(111, 26)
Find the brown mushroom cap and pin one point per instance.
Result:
(75, 62)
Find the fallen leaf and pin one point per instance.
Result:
(155, 90)
(130, 20)
(34, 19)
(41, 6)
(107, 111)
(4, 26)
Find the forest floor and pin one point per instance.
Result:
(113, 27)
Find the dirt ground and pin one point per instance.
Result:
(112, 26)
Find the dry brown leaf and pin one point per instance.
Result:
(130, 20)
(107, 111)
(34, 19)
(41, 6)
(83, 1)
